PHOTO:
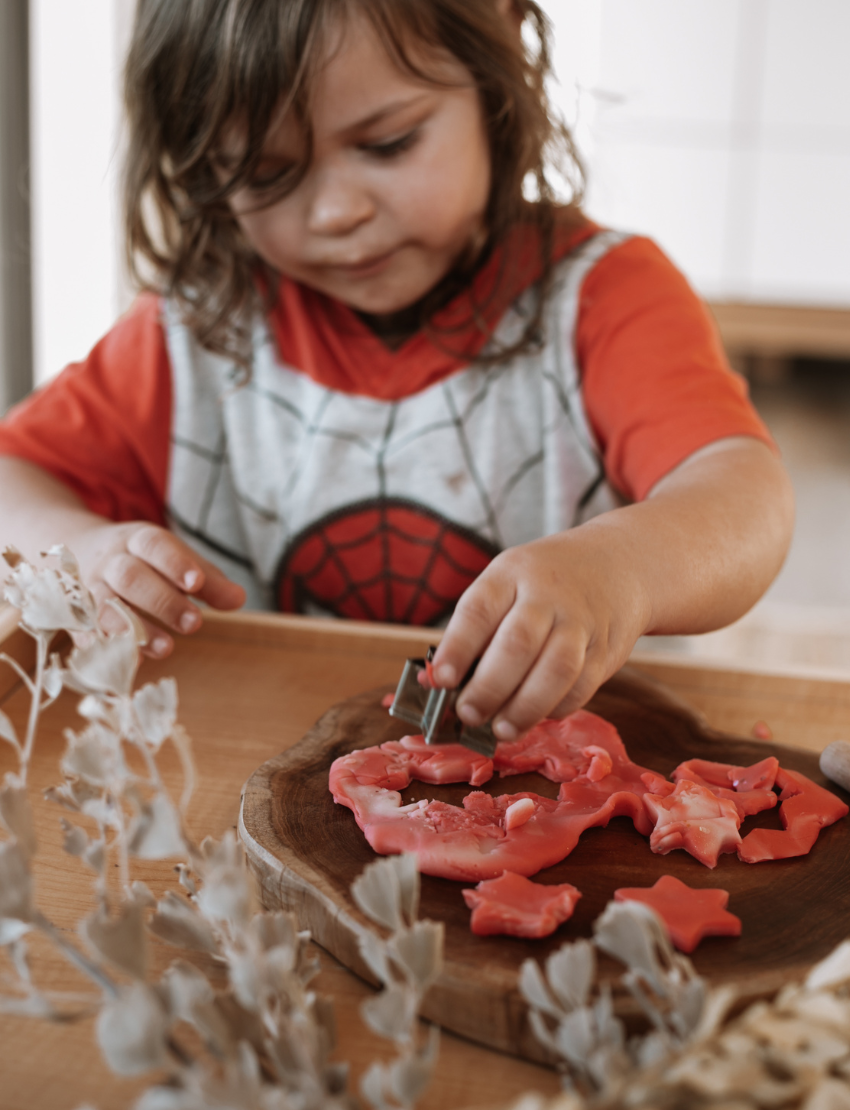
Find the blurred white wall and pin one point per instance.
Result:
(720, 127)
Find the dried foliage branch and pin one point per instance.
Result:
(265, 1036)
(792, 1052)
(578, 1024)
(406, 963)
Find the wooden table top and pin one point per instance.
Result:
(251, 686)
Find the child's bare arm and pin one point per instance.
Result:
(554, 618)
(140, 562)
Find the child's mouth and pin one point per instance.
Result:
(369, 267)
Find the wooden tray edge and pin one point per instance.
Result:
(338, 930)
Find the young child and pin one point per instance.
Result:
(370, 379)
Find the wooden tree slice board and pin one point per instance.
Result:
(306, 851)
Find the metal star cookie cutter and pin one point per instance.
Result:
(432, 711)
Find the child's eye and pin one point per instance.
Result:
(266, 180)
(393, 147)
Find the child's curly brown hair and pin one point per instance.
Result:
(196, 67)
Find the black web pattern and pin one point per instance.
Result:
(312, 422)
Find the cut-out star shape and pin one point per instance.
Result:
(688, 914)
(515, 906)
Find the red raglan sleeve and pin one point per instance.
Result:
(656, 383)
(103, 425)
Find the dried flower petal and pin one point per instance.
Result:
(178, 923)
(410, 1075)
(67, 560)
(182, 742)
(11, 930)
(419, 950)
(570, 971)
(184, 877)
(377, 891)
(142, 895)
(832, 971)
(12, 557)
(131, 1030)
(192, 999)
(54, 676)
(16, 813)
(107, 664)
(94, 755)
(374, 952)
(227, 893)
(94, 708)
(48, 599)
(103, 810)
(575, 1036)
(156, 833)
(390, 1013)
(7, 732)
(829, 1094)
(15, 884)
(120, 940)
(72, 795)
(533, 988)
(407, 872)
(373, 1083)
(274, 930)
(155, 707)
(250, 985)
(633, 934)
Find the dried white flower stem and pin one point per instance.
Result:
(19, 670)
(42, 646)
(74, 956)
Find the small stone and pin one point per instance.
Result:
(835, 762)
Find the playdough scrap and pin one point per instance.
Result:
(515, 906)
(688, 914)
(700, 811)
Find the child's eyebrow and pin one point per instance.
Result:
(382, 113)
(229, 160)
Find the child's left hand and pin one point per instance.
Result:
(553, 619)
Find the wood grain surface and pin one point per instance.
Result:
(306, 851)
(251, 686)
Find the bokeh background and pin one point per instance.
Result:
(719, 127)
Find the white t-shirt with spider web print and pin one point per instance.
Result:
(319, 501)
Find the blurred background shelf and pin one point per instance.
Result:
(782, 330)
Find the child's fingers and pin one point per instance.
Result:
(516, 670)
(477, 615)
(217, 590)
(135, 581)
(168, 555)
(158, 643)
(187, 570)
(563, 678)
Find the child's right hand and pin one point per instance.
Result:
(157, 574)
(145, 565)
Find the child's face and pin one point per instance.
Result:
(397, 186)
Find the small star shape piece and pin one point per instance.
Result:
(514, 906)
(688, 914)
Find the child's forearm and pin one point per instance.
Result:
(552, 619)
(709, 539)
(37, 510)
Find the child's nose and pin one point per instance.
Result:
(339, 205)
